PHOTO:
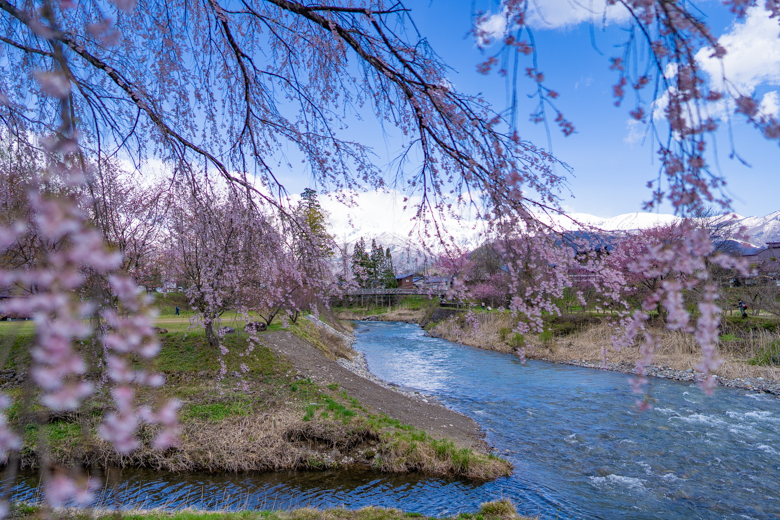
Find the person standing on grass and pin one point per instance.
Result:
(177, 311)
(742, 308)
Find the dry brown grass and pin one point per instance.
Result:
(283, 441)
(409, 309)
(254, 443)
(336, 345)
(488, 336)
(677, 350)
(497, 510)
(333, 343)
(350, 314)
(404, 454)
(401, 313)
(327, 315)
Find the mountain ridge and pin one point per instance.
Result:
(407, 252)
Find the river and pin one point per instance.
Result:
(579, 446)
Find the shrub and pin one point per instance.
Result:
(498, 509)
(546, 337)
(517, 341)
(462, 459)
(770, 326)
(769, 355)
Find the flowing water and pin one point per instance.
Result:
(579, 446)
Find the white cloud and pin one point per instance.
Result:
(659, 105)
(635, 132)
(753, 53)
(377, 213)
(553, 14)
(492, 27)
(770, 104)
(752, 60)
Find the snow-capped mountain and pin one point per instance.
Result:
(626, 222)
(762, 229)
(382, 217)
(379, 216)
(408, 252)
(759, 230)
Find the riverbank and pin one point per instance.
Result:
(403, 314)
(748, 349)
(296, 408)
(584, 345)
(495, 510)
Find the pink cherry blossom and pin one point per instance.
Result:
(60, 489)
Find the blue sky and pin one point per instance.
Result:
(611, 165)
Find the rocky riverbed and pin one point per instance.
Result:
(758, 384)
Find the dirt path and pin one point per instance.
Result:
(436, 420)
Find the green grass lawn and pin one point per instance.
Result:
(12, 328)
(213, 399)
(165, 320)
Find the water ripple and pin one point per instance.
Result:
(580, 448)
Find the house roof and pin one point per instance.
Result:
(767, 253)
(436, 279)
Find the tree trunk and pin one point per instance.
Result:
(211, 336)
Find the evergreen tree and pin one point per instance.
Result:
(310, 213)
(374, 268)
(360, 263)
(388, 273)
(376, 265)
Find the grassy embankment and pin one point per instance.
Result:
(281, 421)
(406, 308)
(496, 510)
(749, 347)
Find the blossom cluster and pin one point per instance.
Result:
(672, 261)
(51, 291)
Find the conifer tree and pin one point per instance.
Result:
(312, 216)
(376, 265)
(360, 263)
(388, 272)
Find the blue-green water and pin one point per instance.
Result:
(579, 446)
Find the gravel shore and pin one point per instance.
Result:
(758, 384)
(381, 397)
